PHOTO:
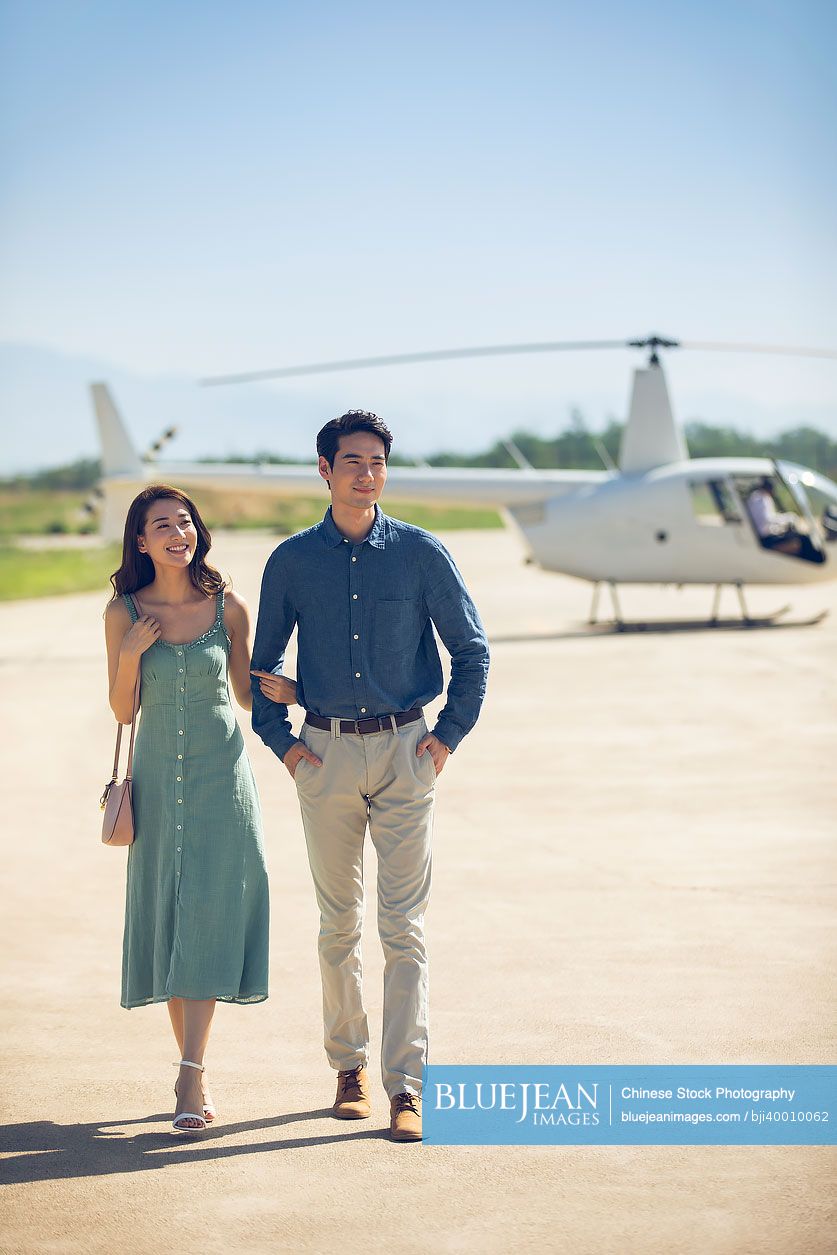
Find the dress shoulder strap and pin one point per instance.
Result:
(219, 618)
(131, 606)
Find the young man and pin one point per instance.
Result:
(364, 592)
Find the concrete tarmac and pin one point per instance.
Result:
(634, 863)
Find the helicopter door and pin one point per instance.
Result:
(780, 515)
(788, 476)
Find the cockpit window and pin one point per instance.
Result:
(714, 502)
(824, 508)
(819, 494)
(777, 518)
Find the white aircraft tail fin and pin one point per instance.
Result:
(651, 436)
(119, 457)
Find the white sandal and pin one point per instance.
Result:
(188, 1115)
(209, 1109)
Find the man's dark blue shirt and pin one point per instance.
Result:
(364, 615)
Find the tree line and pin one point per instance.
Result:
(575, 448)
(578, 448)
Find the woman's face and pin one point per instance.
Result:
(170, 537)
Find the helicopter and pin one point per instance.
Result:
(657, 517)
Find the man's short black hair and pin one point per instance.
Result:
(328, 439)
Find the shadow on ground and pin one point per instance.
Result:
(658, 627)
(43, 1151)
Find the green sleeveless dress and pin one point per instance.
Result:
(196, 915)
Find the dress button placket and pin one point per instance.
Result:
(180, 703)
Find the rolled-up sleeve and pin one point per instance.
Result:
(276, 622)
(458, 623)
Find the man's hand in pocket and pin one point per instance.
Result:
(438, 751)
(295, 755)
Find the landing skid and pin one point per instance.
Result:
(745, 621)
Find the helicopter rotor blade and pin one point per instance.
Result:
(653, 343)
(401, 359)
(785, 350)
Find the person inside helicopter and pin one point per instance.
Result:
(777, 529)
(829, 522)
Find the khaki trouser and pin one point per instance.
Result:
(379, 781)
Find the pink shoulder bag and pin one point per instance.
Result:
(116, 801)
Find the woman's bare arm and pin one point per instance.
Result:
(126, 643)
(237, 623)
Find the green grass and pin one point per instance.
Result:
(443, 518)
(240, 511)
(50, 572)
(41, 512)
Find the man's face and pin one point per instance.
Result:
(359, 472)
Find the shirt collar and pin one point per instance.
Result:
(376, 537)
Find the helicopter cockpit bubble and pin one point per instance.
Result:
(780, 513)
(821, 495)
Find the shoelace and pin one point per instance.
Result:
(350, 1082)
(407, 1102)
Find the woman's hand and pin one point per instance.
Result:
(141, 636)
(277, 688)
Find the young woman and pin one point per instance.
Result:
(196, 919)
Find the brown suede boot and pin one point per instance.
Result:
(405, 1118)
(352, 1101)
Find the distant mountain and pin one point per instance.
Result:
(48, 417)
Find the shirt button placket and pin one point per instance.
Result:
(354, 627)
(180, 711)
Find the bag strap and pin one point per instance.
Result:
(130, 763)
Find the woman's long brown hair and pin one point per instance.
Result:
(137, 569)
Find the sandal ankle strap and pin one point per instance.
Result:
(187, 1063)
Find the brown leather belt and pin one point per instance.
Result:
(367, 727)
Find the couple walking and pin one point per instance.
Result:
(364, 592)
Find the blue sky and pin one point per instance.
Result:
(199, 188)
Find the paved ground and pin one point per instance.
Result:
(634, 864)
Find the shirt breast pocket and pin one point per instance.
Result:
(398, 625)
